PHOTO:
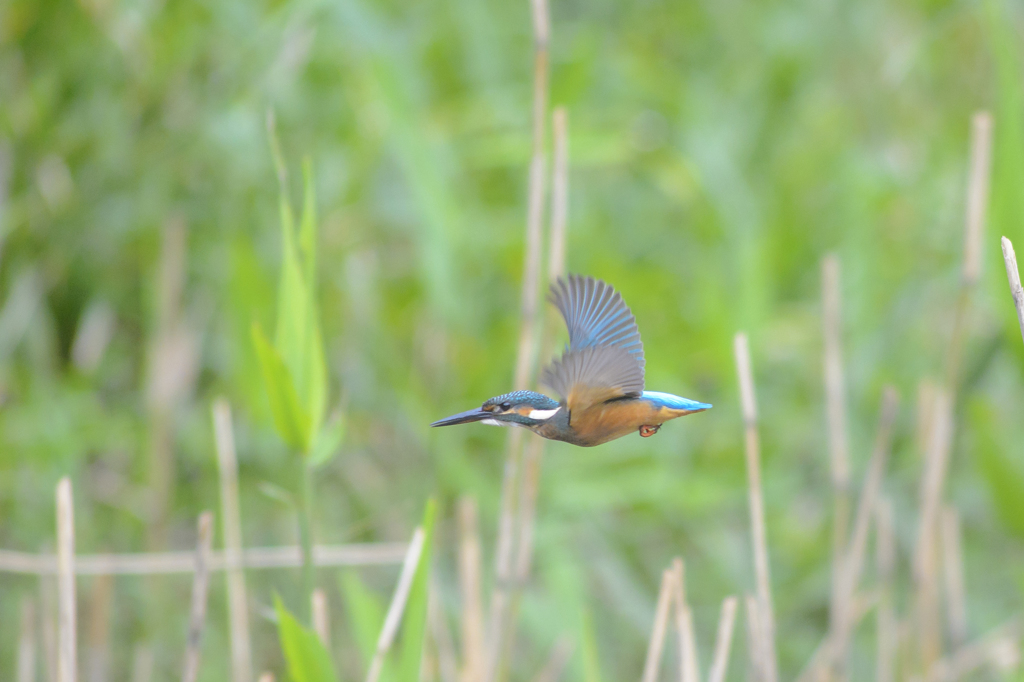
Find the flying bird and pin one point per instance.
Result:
(599, 378)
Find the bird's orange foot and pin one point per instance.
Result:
(647, 430)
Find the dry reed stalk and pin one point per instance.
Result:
(689, 667)
(953, 572)
(853, 556)
(1013, 277)
(142, 663)
(473, 655)
(839, 456)
(723, 641)
(559, 193)
(885, 556)
(67, 654)
(974, 224)
(231, 520)
(999, 649)
(527, 340)
(200, 588)
(759, 537)
(169, 375)
(356, 554)
(652, 666)
(755, 640)
(925, 558)
(27, 642)
(97, 663)
(267, 677)
(555, 666)
(926, 391)
(48, 625)
(447, 664)
(530, 483)
(321, 616)
(397, 607)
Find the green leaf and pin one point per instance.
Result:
(588, 650)
(1005, 480)
(414, 620)
(305, 654)
(289, 418)
(297, 336)
(307, 227)
(365, 612)
(328, 440)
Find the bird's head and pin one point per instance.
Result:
(519, 408)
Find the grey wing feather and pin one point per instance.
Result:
(595, 374)
(605, 358)
(596, 315)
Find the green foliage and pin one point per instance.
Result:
(1005, 478)
(365, 614)
(305, 655)
(589, 649)
(294, 368)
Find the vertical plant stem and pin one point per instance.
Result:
(723, 641)
(755, 639)
(980, 165)
(27, 642)
(67, 654)
(759, 535)
(321, 617)
(231, 518)
(267, 677)
(885, 557)
(47, 610)
(306, 541)
(469, 581)
(97, 636)
(441, 636)
(839, 456)
(853, 555)
(200, 588)
(652, 665)
(925, 557)
(689, 667)
(953, 571)
(1013, 276)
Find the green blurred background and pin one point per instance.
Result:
(718, 151)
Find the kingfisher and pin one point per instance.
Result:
(599, 378)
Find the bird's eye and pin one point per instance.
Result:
(505, 407)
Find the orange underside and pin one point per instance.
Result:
(608, 421)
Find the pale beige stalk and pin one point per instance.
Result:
(321, 616)
(723, 641)
(885, 568)
(765, 610)
(67, 620)
(200, 589)
(473, 659)
(953, 574)
(1013, 276)
(27, 642)
(231, 520)
(557, 661)
(397, 607)
(652, 665)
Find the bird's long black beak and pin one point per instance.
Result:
(464, 417)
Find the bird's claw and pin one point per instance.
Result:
(648, 430)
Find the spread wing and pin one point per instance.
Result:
(605, 358)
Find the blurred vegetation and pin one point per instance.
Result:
(718, 151)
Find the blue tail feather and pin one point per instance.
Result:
(674, 402)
